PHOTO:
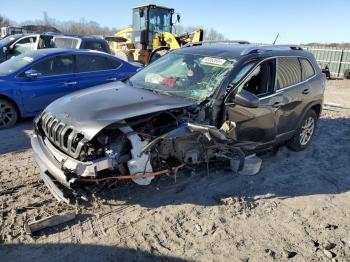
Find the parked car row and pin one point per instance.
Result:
(15, 45)
(30, 81)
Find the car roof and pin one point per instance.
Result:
(58, 34)
(84, 37)
(236, 50)
(58, 51)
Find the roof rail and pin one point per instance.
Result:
(258, 48)
(208, 42)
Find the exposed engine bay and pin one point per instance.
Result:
(142, 147)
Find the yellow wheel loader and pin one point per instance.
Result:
(151, 35)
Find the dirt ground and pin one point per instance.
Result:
(296, 209)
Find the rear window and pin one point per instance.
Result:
(90, 63)
(289, 71)
(308, 70)
(95, 46)
(66, 42)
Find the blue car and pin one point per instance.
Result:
(31, 81)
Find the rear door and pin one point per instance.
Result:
(56, 78)
(291, 92)
(95, 69)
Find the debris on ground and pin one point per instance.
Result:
(328, 253)
(271, 253)
(331, 227)
(49, 221)
(252, 165)
(199, 228)
(289, 254)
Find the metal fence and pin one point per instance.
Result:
(337, 59)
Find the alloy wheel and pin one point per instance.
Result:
(307, 130)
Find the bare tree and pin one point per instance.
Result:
(4, 21)
(210, 34)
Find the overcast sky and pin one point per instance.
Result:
(297, 21)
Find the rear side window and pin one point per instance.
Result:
(66, 42)
(90, 63)
(94, 46)
(59, 65)
(308, 70)
(289, 71)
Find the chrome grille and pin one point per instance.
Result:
(63, 136)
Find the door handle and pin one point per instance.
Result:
(111, 78)
(306, 91)
(276, 104)
(70, 83)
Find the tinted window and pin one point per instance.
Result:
(260, 81)
(88, 63)
(58, 65)
(94, 46)
(308, 70)
(289, 71)
(114, 63)
(66, 42)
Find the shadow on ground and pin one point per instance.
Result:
(76, 253)
(320, 169)
(16, 138)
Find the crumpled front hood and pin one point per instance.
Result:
(90, 110)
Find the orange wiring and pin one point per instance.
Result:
(140, 175)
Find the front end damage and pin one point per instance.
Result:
(138, 148)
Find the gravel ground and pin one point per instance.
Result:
(296, 209)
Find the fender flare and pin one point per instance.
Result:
(307, 109)
(2, 96)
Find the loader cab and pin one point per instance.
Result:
(148, 20)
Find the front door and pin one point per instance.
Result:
(254, 124)
(24, 44)
(56, 78)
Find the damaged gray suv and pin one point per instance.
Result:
(201, 104)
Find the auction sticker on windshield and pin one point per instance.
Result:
(213, 60)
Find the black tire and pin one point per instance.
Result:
(8, 114)
(304, 135)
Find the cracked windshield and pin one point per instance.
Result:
(184, 75)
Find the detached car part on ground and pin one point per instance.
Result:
(194, 106)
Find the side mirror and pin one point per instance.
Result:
(31, 73)
(4, 49)
(246, 99)
(178, 17)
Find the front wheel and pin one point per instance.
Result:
(305, 132)
(8, 114)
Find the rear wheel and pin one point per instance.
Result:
(305, 132)
(8, 114)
